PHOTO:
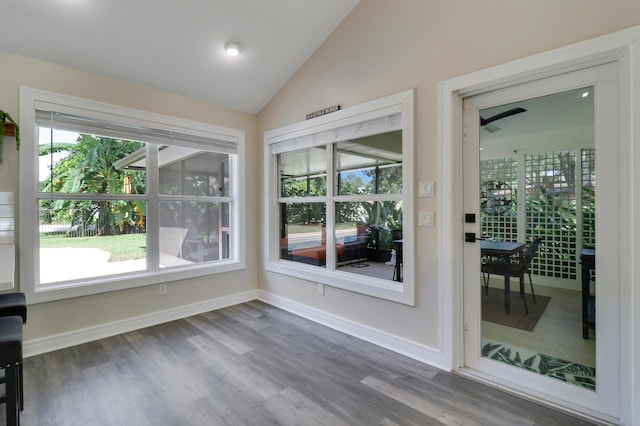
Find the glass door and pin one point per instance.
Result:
(532, 154)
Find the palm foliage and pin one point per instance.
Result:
(89, 169)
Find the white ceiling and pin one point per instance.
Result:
(177, 45)
(563, 110)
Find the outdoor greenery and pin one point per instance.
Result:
(380, 217)
(88, 168)
(551, 211)
(121, 247)
(5, 118)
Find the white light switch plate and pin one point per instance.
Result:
(425, 219)
(425, 189)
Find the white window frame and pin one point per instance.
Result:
(327, 130)
(28, 224)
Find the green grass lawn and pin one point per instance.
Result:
(121, 247)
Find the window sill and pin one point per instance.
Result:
(393, 291)
(66, 290)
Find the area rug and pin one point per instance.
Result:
(556, 368)
(493, 309)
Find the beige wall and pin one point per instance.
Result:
(47, 319)
(385, 47)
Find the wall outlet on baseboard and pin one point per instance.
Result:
(321, 289)
(162, 290)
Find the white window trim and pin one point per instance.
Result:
(323, 127)
(29, 254)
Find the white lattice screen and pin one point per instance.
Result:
(552, 193)
(499, 224)
(589, 197)
(551, 212)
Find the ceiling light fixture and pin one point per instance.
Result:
(232, 48)
(585, 94)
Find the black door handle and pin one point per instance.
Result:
(470, 237)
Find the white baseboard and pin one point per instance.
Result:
(76, 337)
(402, 346)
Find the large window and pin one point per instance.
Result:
(114, 198)
(340, 201)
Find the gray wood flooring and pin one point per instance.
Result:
(254, 364)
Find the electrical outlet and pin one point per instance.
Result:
(321, 289)
(162, 290)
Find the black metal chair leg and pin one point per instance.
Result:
(532, 292)
(486, 283)
(523, 294)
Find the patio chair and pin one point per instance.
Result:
(518, 268)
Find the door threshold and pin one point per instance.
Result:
(538, 398)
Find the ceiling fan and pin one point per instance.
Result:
(485, 122)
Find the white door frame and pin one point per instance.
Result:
(605, 399)
(622, 47)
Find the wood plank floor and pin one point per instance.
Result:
(254, 364)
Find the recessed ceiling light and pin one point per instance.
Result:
(232, 48)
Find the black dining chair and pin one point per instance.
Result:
(520, 266)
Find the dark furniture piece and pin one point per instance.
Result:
(397, 269)
(396, 237)
(499, 255)
(15, 304)
(588, 260)
(351, 253)
(11, 362)
(350, 250)
(354, 252)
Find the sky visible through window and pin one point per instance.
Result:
(58, 136)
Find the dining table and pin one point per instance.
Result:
(503, 250)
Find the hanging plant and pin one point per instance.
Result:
(8, 128)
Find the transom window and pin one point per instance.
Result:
(123, 198)
(339, 209)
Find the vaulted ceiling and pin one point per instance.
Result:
(177, 46)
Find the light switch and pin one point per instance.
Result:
(425, 219)
(425, 189)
